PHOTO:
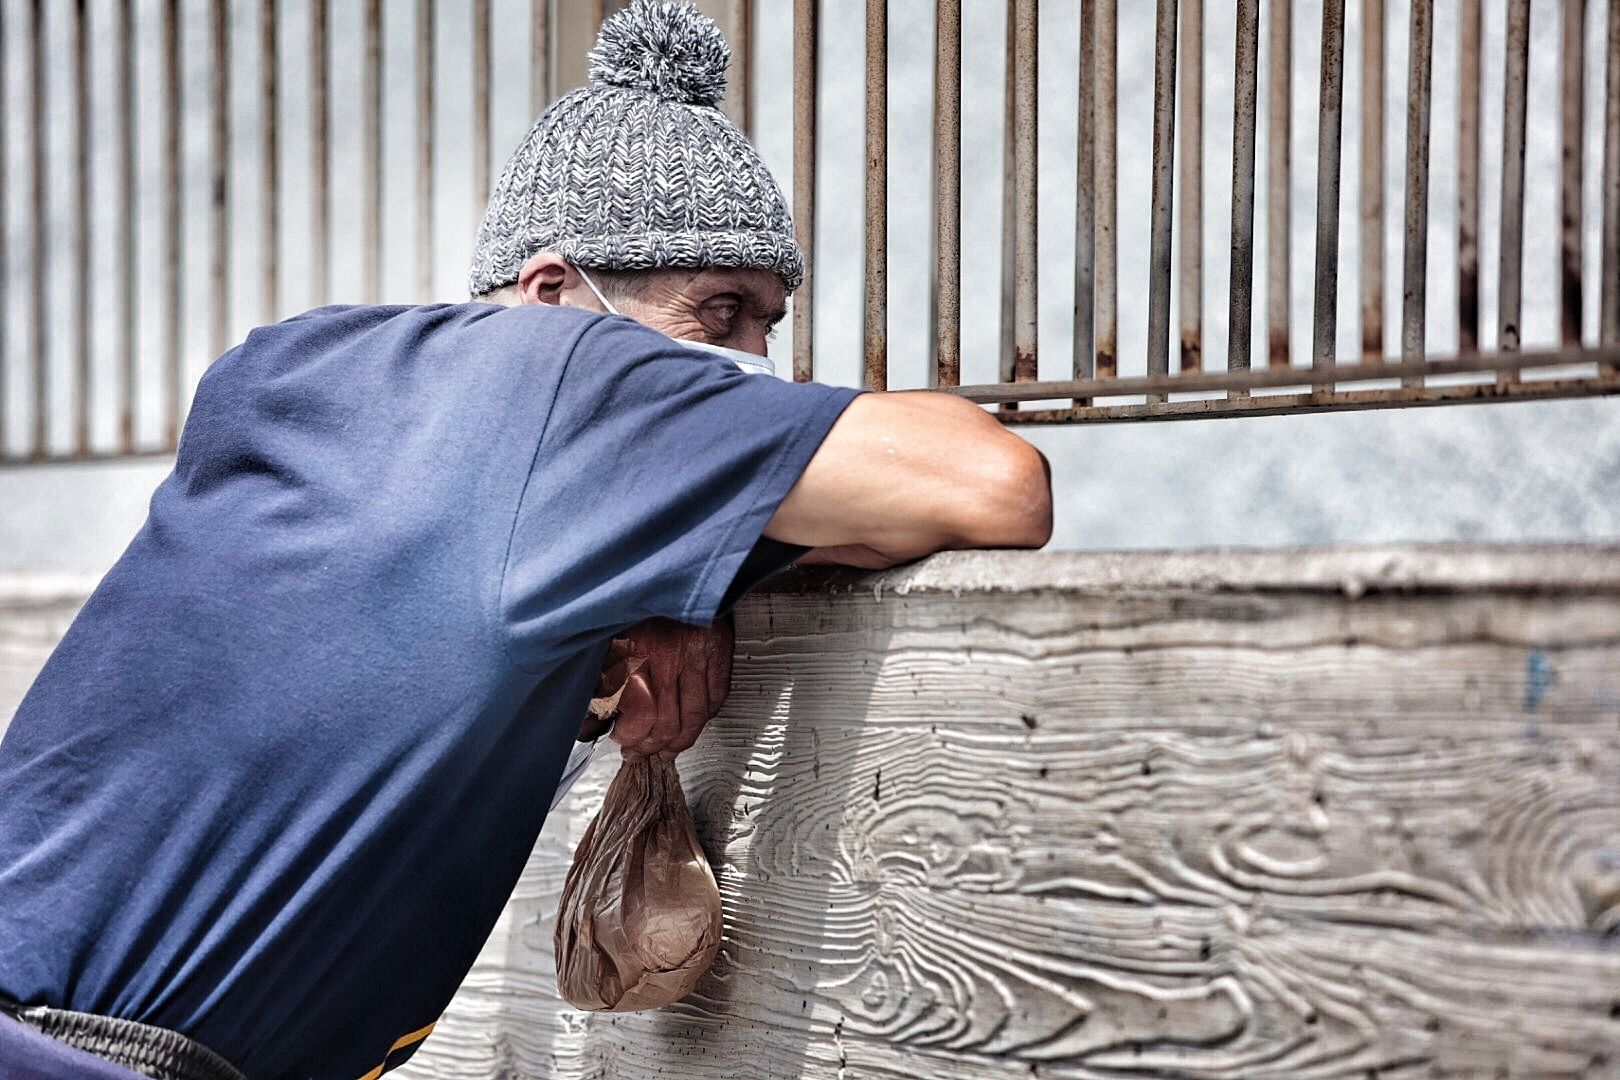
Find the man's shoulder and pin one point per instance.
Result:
(442, 316)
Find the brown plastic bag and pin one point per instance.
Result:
(639, 921)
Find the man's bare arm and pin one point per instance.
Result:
(902, 475)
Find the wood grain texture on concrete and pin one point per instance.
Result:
(1204, 814)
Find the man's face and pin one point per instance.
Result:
(735, 308)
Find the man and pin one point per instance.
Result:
(267, 798)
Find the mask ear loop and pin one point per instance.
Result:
(591, 285)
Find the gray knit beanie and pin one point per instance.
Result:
(639, 169)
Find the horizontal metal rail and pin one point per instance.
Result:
(1244, 401)
(1263, 378)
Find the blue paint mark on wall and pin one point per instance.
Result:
(1538, 676)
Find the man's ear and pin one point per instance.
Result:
(545, 277)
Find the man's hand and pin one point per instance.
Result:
(679, 685)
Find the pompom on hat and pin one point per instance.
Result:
(640, 169)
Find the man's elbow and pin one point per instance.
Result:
(1014, 509)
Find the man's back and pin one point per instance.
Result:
(277, 781)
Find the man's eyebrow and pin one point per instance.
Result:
(771, 313)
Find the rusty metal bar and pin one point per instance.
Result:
(270, 186)
(1105, 111)
(5, 247)
(1192, 186)
(371, 154)
(1511, 245)
(1329, 138)
(1468, 320)
(1414, 280)
(539, 55)
(320, 199)
(424, 144)
(1164, 152)
(170, 272)
(875, 343)
(40, 329)
(805, 52)
(481, 108)
(1007, 350)
(1572, 133)
(1245, 106)
(948, 193)
(1471, 393)
(1026, 40)
(78, 47)
(1279, 180)
(1085, 204)
(1372, 179)
(1278, 377)
(736, 23)
(124, 235)
(1610, 297)
(219, 124)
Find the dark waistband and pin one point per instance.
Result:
(151, 1051)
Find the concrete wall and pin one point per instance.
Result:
(1314, 813)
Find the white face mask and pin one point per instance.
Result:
(749, 362)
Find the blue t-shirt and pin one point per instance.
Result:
(277, 782)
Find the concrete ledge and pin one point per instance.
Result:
(1350, 570)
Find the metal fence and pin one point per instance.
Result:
(1286, 383)
(560, 31)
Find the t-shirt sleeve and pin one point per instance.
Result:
(655, 475)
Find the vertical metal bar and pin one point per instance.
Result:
(1610, 297)
(1192, 185)
(170, 271)
(81, 237)
(1164, 153)
(371, 154)
(539, 54)
(1572, 134)
(219, 123)
(1329, 137)
(1245, 106)
(481, 107)
(1007, 351)
(1025, 192)
(1511, 246)
(1372, 180)
(1279, 179)
(424, 141)
(124, 170)
(40, 343)
(805, 53)
(875, 329)
(1467, 181)
(1105, 110)
(1414, 280)
(739, 31)
(5, 246)
(320, 201)
(948, 192)
(1085, 206)
(270, 184)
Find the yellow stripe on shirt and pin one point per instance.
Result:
(399, 1044)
